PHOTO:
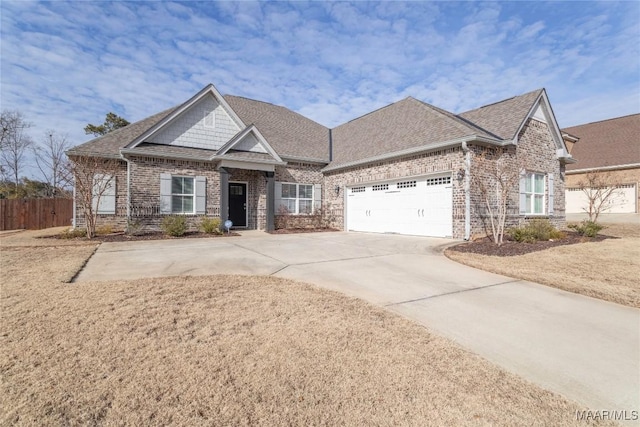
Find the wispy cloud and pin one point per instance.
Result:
(66, 64)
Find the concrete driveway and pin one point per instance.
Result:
(583, 348)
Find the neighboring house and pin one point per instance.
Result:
(406, 168)
(610, 148)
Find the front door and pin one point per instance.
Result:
(238, 204)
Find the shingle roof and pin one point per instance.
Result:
(289, 133)
(111, 143)
(610, 142)
(406, 124)
(503, 118)
(163, 150)
(247, 155)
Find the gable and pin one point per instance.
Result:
(206, 124)
(250, 143)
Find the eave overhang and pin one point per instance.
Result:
(421, 149)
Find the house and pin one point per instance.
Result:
(610, 148)
(408, 168)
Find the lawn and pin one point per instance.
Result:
(231, 350)
(607, 270)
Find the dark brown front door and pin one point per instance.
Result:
(238, 204)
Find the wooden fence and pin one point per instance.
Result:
(35, 214)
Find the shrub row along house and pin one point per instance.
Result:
(408, 168)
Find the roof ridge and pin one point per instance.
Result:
(603, 120)
(503, 100)
(275, 105)
(374, 111)
(459, 120)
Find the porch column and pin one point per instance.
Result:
(224, 196)
(271, 201)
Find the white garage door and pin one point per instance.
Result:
(417, 206)
(622, 201)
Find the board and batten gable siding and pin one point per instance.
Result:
(205, 125)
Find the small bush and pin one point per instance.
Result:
(104, 229)
(135, 227)
(174, 225)
(210, 225)
(73, 233)
(535, 230)
(587, 228)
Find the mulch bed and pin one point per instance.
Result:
(301, 230)
(122, 237)
(509, 247)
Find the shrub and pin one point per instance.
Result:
(174, 225)
(210, 225)
(535, 230)
(587, 228)
(104, 229)
(73, 233)
(135, 227)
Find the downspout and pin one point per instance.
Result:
(73, 220)
(467, 190)
(128, 187)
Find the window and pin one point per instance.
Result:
(182, 194)
(380, 187)
(439, 181)
(297, 198)
(533, 193)
(406, 184)
(104, 194)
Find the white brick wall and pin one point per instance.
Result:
(189, 129)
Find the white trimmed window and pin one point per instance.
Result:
(297, 198)
(535, 199)
(182, 194)
(104, 194)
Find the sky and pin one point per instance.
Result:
(66, 64)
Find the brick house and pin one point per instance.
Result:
(609, 147)
(406, 168)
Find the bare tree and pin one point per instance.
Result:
(53, 163)
(94, 177)
(14, 143)
(496, 180)
(600, 189)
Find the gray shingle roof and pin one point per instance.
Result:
(111, 143)
(162, 150)
(400, 126)
(610, 142)
(503, 119)
(289, 133)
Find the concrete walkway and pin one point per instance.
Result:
(583, 348)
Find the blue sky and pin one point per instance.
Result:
(66, 64)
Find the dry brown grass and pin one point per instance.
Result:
(607, 270)
(231, 350)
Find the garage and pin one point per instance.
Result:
(622, 201)
(417, 206)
